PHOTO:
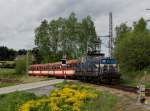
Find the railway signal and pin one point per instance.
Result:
(142, 91)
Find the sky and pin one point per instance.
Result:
(19, 18)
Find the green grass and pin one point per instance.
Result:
(133, 83)
(7, 62)
(9, 78)
(134, 78)
(5, 72)
(104, 102)
(12, 101)
(6, 84)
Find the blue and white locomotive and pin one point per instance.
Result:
(96, 67)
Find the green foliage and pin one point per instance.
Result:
(12, 101)
(132, 47)
(64, 36)
(21, 65)
(22, 62)
(42, 40)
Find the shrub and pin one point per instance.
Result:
(20, 65)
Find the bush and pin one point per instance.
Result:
(20, 65)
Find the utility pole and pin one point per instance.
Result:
(27, 62)
(110, 34)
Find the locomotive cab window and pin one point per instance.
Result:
(63, 61)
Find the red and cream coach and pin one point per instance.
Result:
(58, 69)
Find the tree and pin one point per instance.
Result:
(42, 40)
(133, 51)
(70, 32)
(7, 54)
(37, 56)
(54, 35)
(22, 52)
(122, 31)
(87, 34)
(64, 36)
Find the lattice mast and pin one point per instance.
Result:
(110, 34)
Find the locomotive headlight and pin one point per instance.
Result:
(101, 65)
(114, 65)
(97, 65)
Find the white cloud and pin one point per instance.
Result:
(19, 18)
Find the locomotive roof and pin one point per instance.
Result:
(56, 63)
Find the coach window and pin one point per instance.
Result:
(72, 65)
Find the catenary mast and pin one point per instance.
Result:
(110, 34)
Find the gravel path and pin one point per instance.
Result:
(42, 90)
(28, 86)
(127, 100)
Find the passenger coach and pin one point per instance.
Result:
(54, 69)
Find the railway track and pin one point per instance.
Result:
(121, 87)
(127, 88)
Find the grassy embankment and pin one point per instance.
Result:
(69, 96)
(9, 77)
(136, 78)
